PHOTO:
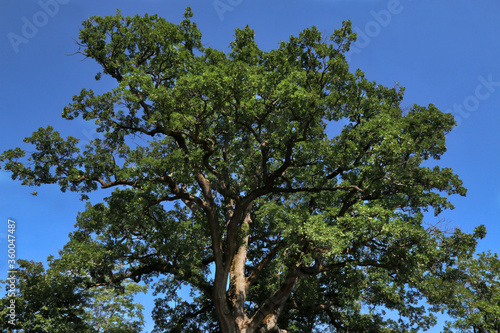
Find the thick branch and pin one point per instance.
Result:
(354, 188)
(254, 275)
(274, 303)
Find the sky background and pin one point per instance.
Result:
(444, 52)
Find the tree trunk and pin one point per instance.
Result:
(238, 283)
(230, 304)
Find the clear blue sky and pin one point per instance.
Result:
(444, 52)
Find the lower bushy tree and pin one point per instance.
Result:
(288, 192)
(54, 301)
(474, 294)
(44, 301)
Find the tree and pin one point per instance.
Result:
(476, 294)
(54, 301)
(45, 302)
(229, 176)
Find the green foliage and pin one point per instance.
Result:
(228, 178)
(113, 310)
(55, 301)
(475, 294)
(46, 301)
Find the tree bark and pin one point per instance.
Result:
(238, 282)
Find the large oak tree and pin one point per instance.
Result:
(288, 192)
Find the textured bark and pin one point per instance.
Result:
(238, 283)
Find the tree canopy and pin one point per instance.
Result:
(287, 191)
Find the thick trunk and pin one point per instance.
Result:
(230, 303)
(238, 282)
(222, 309)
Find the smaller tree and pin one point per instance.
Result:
(475, 297)
(56, 301)
(46, 301)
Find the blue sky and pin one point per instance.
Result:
(444, 52)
